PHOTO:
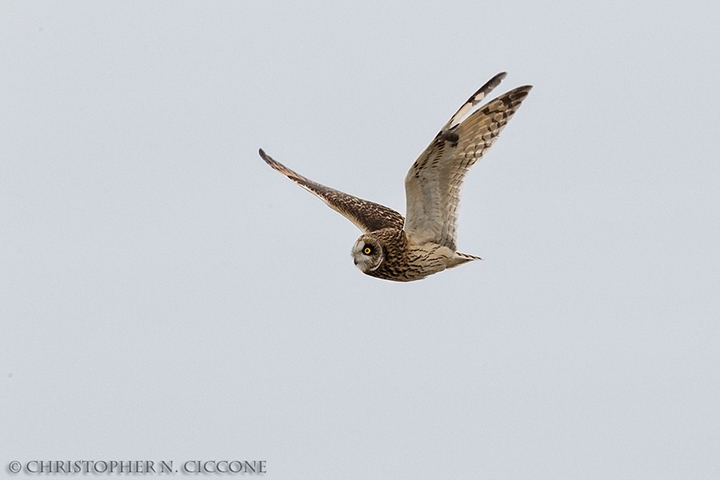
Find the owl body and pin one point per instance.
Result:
(393, 247)
(391, 254)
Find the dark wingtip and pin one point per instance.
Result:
(488, 87)
(265, 157)
(520, 93)
(495, 81)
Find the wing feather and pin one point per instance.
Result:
(367, 216)
(432, 186)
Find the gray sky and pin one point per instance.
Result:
(164, 295)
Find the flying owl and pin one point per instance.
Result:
(405, 249)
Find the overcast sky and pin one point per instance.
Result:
(166, 296)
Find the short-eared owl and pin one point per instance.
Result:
(405, 249)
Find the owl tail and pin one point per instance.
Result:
(460, 258)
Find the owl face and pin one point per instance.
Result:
(368, 253)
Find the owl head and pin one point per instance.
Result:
(368, 253)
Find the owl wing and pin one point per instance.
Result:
(432, 186)
(367, 216)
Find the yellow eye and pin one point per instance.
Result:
(367, 250)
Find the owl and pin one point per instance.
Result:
(411, 248)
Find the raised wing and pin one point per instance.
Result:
(432, 186)
(367, 216)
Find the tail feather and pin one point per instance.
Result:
(461, 258)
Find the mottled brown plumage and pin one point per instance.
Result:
(367, 216)
(394, 248)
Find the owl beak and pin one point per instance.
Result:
(355, 261)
